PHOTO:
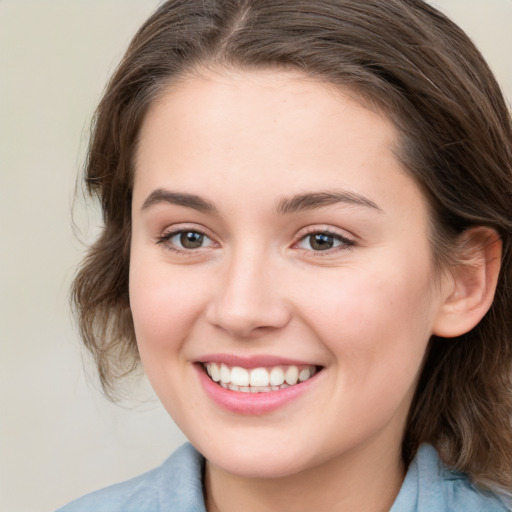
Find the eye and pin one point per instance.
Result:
(323, 241)
(189, 239)
(185, 240)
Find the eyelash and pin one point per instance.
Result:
(344, 242)
(165, 238)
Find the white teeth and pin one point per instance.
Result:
(258, 380)
(259, 377)
(239, 376)
(291, 375)
(214, 372)
(225, 374)
(304, 374)
(276, 376)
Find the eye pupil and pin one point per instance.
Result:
(191, 239)
(321, 241)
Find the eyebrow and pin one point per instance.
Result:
(314, 200)
(193, 201)
(296, 203)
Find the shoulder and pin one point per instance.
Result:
(430, 485)
(175, 485)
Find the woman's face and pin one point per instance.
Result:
(277, 237)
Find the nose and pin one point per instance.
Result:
(250, 299)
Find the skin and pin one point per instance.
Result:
(363, 311)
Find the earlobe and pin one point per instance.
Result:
(472, 283)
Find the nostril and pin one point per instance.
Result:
(247, 301)
(248, 322)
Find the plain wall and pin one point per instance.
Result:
(59, 438)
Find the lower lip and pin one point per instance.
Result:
(252, 403)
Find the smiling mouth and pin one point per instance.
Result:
(258, 380)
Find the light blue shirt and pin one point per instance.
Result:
(176, 486)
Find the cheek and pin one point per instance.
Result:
(376, 324)
(164, 304)
(165, 307)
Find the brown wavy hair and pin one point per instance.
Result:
(412, 63)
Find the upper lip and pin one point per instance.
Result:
(256, 361)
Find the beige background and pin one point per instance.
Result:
(59, 438)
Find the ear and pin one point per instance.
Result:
(470, 284)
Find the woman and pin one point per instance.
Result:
(307, 244)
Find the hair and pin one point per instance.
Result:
(455, 139)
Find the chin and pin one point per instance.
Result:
(258, 466)
(255, 460)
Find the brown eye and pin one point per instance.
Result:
(321, 241)
(191, 239)
(185, 240)
(324, 241)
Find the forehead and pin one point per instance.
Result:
(267, 129)
(261, 104)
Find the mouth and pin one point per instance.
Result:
(258, 380)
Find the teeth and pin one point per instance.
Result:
(225, 374)
(239, 376)
(276, 376)
(304, 374)
(291, 375)
(215, 372)
(258, 380)
(259, 377)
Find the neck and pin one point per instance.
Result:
(362, 482)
